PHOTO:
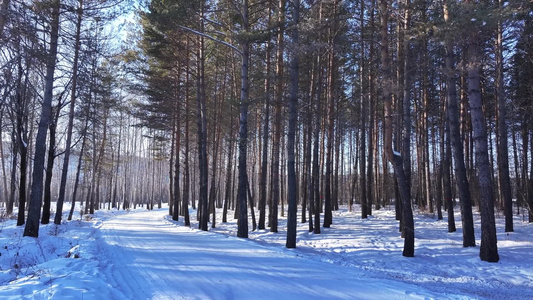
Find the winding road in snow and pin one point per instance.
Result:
(147, 257)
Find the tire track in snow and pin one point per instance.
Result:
(148, 258)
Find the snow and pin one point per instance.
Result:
(142, 254)
(396, 153)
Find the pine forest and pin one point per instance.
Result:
(273, 115)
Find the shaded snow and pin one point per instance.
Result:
(145, 255)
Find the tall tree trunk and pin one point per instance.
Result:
(202, 132)
(503, 151)
(489, 248)
(363, 124)
(45, 219)
(293, 115)
(80, 160)
(308, 162)
(242, 224)
(68, 143)
(32, 226)
(336, 169)
(20, 140)
(273, 218)
(407, 66)
(23, 149)
(264, 151)
(316, 142)
(13, 175)
(437, 166)
(114, 203)
(394, 157)
(187, 175)
(4, 173)
(456, 143)
(370, 194)
(445, 149)
(171, 168)
(328, 219)
(525, 153)
(530, 193)
(176, 183)
(229, 169)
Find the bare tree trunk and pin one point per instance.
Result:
(115, 186)
(336, 170)
(32, 226)
(229, 169)
(242, 230)
(328, 219)
(45, 219)
(66, 158)
(13, 184)
(171, 168)
(362, 129)
(187, 176)
(23, 148)
(273, 218)
(406, 133)
(202, 133)
(525, 184)
(530, 194)
(308, 162)
(489, 248)
(251, 200)
(370, 195)
(316, 148)
(80, 160)
(457, 145)
(176, 182)
(293, 115)
(445, 150)
(4, 174)
(20, 141)
(503, 151)
(394, 157)
(264, 153)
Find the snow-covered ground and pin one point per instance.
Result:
(142, 254)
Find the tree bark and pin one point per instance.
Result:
(293, 115)
(202, 133)
(446, 159)
(68, 143)
(273, 218)
(264, 151)
(394, 157)
(316, 141)
(489, 248)
(406, 132)
(242, 224)
(362, 129)
(45, 219)
(176, 183)
(187, 175)
(32, 226)
(503, 150)
(456, 143)
(78, 170)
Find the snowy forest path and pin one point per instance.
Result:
(147, 257)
